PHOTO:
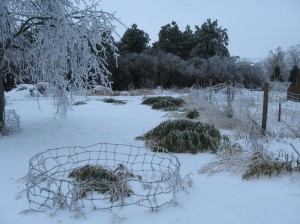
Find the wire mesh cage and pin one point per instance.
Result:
(12, 123)
(103, 176)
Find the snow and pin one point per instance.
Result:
(222, 198)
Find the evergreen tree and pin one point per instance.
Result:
(277, 74)
(188, 42)
(294, 74)
(134, 40)
(211, 40)
(170, 39)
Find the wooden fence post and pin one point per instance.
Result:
(265, 109)
(229, 100)
(279, 113)
(210, 89)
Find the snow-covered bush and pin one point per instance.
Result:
(166, 103)
(261, 164)
(251, 162)
(192, 114)
(37, 90)
(81, 102)
(95, 178)
(100, 91)
(112, 100)
(183, 136)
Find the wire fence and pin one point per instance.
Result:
(235, 101)
(102, 176)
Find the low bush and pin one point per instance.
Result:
(192, 114)
(103, 180)
(263, 165)
(166, 103)
(182, 136)
(112, 100)
(77, 103)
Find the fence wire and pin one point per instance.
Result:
(283, 118)
(102, 176)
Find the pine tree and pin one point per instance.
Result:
(188, 42)
(170, 39)
(134, 40)
(294, 74)
(211, 40)
(277, 74)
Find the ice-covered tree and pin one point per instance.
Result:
(62, 43)
(293, 56)
(211, 40)
(276, 66)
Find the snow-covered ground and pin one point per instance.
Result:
(222, 198)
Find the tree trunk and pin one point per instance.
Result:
(2, 102)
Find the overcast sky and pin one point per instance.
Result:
(254, 26)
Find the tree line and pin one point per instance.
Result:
(178, 58)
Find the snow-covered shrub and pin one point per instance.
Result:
(250, 163)
(95, 178)
(166, 103)
(37, 90)
(261, 164)
(112, 100)
(183, 136)
(100, 91)
(230, 157)
(12, 123)
(81, 102)
(21, 88)
(192, 114)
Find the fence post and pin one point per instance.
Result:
(210, 89)
(279, 113)
(229, 100)
(265, 109)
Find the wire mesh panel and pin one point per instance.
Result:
(103, 176)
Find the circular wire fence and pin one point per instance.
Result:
(103, 176)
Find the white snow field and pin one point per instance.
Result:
(222, 198)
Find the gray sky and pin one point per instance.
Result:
(254, 26)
